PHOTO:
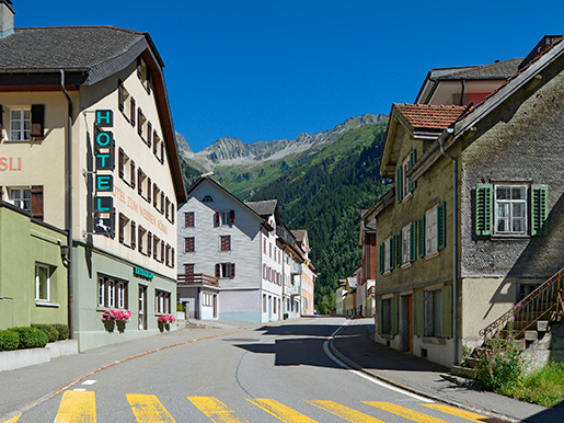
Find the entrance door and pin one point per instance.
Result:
(142, 307)
(406, 323)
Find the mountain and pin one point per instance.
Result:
(321, 181)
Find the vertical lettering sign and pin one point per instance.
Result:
(104, 153)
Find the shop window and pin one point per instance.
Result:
(112, 292)
(162, 302)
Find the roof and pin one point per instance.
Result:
(429, 116)
(208, 179)
(299, 234)
(263, 208)
(70, 47)
(497, 70)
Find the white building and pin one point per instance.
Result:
(232, 264)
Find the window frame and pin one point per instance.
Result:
(22, 198)
(524, 201)
(433, 309)
(432, 231)
(22, 120)
(163, 300)
(406, 244)
(112, 292)
(47, 285)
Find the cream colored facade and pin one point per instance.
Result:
(100, 263)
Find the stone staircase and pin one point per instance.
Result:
(535, 323)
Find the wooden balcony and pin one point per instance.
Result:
(197, 279)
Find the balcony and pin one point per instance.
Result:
(293, 290)
(197, 279)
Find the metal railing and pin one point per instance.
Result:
(546, 302)
(197, 279)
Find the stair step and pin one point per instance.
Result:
(466, 372)
(471, 362)
(531, 335)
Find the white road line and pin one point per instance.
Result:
(89, 382)
(369, 378)
(79, 389)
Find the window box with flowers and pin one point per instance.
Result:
(164, 322)
(116, 318)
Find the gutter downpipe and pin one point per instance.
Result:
(69, 206)
(441, 141)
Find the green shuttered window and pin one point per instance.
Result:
(421, 236)
(484, 210)
(441, 226)
(399, 185)
(413, 242)
(539, 210)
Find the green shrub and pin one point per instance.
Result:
(500, 365)
(63, 331)
(9, 340)
(31, 337)
(49, 330)
(179, 307)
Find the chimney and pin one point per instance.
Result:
(6, 18)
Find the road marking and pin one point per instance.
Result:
(88, 382)
(77, 407)
(458, 412)
(343, 412)
(365, 376)
(13, 419)
(398, 410)
(148, 409)
(79, 389)
(280, 411)
(215, 410)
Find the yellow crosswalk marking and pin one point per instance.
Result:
(13, 419)
(468, 415)
(343, 412)
(280, 411)
(148, 409)
(77, 406)
(404, 412)
(216, 410)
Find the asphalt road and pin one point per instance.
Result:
(275, 373)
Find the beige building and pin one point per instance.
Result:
(85, 111)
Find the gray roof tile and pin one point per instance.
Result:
(497, 70)
(70, 47)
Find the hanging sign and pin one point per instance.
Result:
(104, 154)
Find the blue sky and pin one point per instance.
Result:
(270, 69)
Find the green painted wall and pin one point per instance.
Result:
(23, 243)
(88, 326)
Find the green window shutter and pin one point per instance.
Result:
(484, 209)
(394, 317)
(398, 249)
(379, 315)
(421, 238)
(392, 252)
(539, 210)
(382, 255)
(399, 185)
(441, 225)
(446, 299)
(413, 242)
(419, 313)
(412, 160)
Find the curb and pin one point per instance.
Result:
(453, 403)
(107, 366)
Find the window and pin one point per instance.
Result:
(431, 232)
(189, 245)
(264, 303)
(224, 218)
(162, 302)
(433, 312)
(403, 183)
(127, 169)
(189, 269)
(156, 247)
(189, 220)
(42, 280)
(406, 244)
(112, 293)
(387, 255)
(225, 243)
(20, 124)
(207, 299)
(225, 270)
(510, 209)
(207, 199)
(505, 209)
(20, 197)
(125, 230)
(142, 239)
(158, 147)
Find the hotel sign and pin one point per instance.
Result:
(104, 150)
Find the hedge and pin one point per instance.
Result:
(49, 330)
(9, 340)
(63, 330)
(31, 337)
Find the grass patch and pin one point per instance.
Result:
(545, 387)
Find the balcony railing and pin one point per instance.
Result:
(188, 279)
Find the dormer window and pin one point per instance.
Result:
(207, 199)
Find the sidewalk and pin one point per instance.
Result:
(354, 346)
(28, 385)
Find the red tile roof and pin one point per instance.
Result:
(430, 116)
